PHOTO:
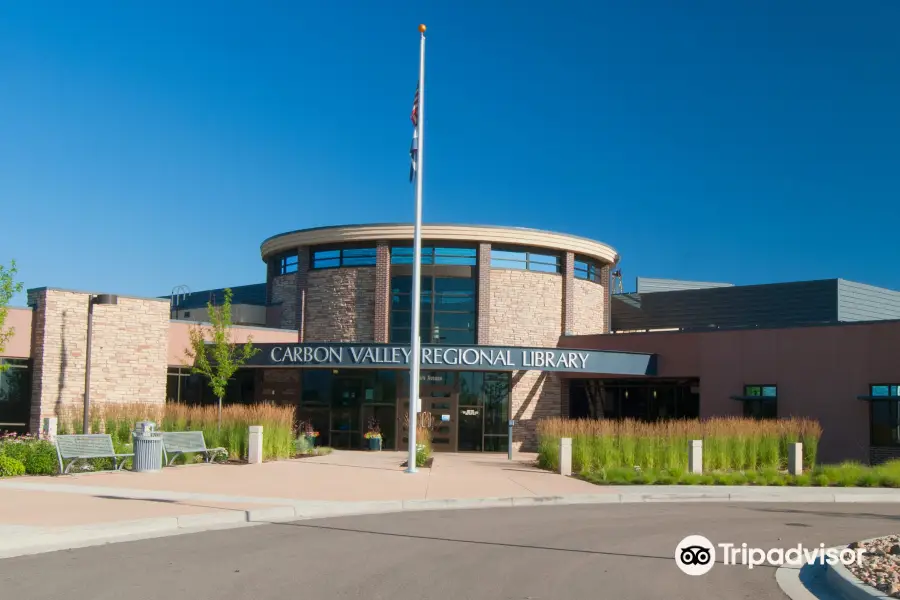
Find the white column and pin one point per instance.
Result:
(695, 457)
(795, 458)
(565, 456)
(49, 429)
(255, 447)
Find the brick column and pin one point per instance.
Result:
(382, 292)
(302, 285)
(568, 303)
(483, 334)
(607, 288)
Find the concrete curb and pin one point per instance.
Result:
(23, 540)
(846, 585)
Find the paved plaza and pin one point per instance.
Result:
(40, 514)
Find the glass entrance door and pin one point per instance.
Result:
(440, 402)
(346, 429)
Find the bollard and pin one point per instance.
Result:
(255, 446)
(565, 456)
(795, 458)
(695, 457)
(509, 441)
(50, 428)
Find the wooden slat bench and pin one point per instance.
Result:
(84, 447)
(178, 443)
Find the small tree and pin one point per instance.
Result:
(8, 288)
(219, 357)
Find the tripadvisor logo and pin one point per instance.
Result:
(696, 555)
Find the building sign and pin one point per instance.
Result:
(468, 358)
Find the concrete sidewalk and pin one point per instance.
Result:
(48, 513)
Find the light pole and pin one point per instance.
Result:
(103, 299)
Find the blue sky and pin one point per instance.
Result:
(147, 145)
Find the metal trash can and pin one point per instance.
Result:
(148, 448)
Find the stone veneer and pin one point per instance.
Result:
(589, 315)
(285, 297)
(340, 305)
(527, 310)
(128, 354)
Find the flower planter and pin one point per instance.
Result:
(375, 444)
(311, 440)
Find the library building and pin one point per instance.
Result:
(516, 324)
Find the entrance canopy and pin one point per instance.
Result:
(468, 358)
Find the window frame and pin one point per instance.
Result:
(433, 257)
(593, 270)
(284, 265)
(756, 409)
(893, 403)
(342, 257)
(527, 261)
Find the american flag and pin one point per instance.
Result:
(414, 146)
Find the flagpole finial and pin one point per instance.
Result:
(422, 28)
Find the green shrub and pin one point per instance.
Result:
(10, 467)
(17, 449)
(821, 479)
(41, 459)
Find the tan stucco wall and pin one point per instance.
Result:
(18, 320)
(179, 338)
(588, 308)
(526, 308)
(128, 362)
(340, 305)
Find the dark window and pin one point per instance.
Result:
(766, 407)
(451, 256)
(586, 268)
(448, 310)
(184, 387)
(286, 263)
(15, 395)
(524, 259)
(884, 415)
(329, 258)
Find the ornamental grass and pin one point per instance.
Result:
(729, 443)
(119, 421)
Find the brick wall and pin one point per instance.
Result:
(588, 308)
(534, 395)
(483, 332)
(568, 306)
(129, 352)
(300, 293)
(340, 305)
(284, 299)
(382, 292)
(525, 308)
(607, 290)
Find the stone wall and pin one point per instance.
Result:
(284, 299)
(526, 308)
(340, 305)
(534, 395)
(589, 316)
(129, 352)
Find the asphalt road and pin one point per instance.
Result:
(543, 553)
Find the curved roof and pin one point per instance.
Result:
(518, 236)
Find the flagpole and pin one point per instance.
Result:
(417, 267)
